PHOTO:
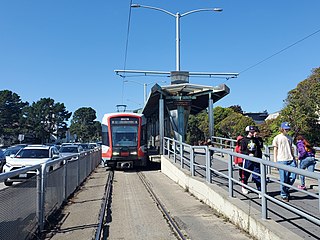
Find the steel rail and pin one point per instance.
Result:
(170, 220)
(104, 206)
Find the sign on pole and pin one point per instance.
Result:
(21, 137)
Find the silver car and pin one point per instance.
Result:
(68, 150)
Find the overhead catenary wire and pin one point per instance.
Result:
(126, 49)
(282, 50)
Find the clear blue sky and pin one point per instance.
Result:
(68, 49)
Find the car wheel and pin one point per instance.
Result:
(8, 183)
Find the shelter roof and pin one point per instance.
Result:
(196, 95)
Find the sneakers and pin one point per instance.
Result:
(244, 191)
(302, 187)
(285, 199)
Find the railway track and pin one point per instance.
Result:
(147, 205)
(162, 208)
(104, 207)
(108, 223)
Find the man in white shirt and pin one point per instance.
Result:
(283, 154)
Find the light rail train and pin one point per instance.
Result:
(124, 140)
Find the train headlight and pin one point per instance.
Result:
(115, 153)
(133, 153)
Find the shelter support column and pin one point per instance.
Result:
(211, 119)
(161, 123)
(181, 121)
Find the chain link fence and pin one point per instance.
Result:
(25, 206)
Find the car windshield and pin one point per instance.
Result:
(33, 153)
(68, 150)
(85, 146)
(11, 151)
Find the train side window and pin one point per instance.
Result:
(105, 138)
(143, 135)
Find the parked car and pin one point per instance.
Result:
(29, 156)
(2, 159)
(10, 151)
(85, 146)
(67, 150)
(93, 145)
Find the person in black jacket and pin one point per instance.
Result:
(251, 146)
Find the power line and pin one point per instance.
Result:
(126, 48)
(282, 50)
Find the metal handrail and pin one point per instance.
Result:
(265, 164)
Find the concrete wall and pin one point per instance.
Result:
(239, 213)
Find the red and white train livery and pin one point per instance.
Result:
(124, 140)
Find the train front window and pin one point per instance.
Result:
(124, 135)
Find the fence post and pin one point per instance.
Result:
(221, 147)
(79, 159)
(263, 191)
(319, 194)
(208, 171)
(174, 152)
(267, 156)
(41, 196)
(232, 145)
(65, 174)
(230, 175)
(181, 154)
(192, 161)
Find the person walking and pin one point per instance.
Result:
(256, 134)
(306, 156)
(283, 154)
(238, 160)
(251, 147)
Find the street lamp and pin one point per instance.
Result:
(177, 16)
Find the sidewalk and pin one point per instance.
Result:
(80, 216)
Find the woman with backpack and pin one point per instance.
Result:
(306, 155)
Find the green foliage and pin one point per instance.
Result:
(269, 129)
(302, 108)
(237, 109)
(10, 114)
(46, 118)
(233, 125)
(83, 124)
(203, 124)
(194, 133)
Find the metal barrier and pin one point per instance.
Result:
(198, 157)
(26, 206)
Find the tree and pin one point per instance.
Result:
(194, 133)
(233, 125)
(83, 124)
(236, 108)
(302, 108)
(10, 114)
(45, 118)
(219, 114)
(98, 131)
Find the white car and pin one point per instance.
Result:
(29, 156)
(67, 150)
